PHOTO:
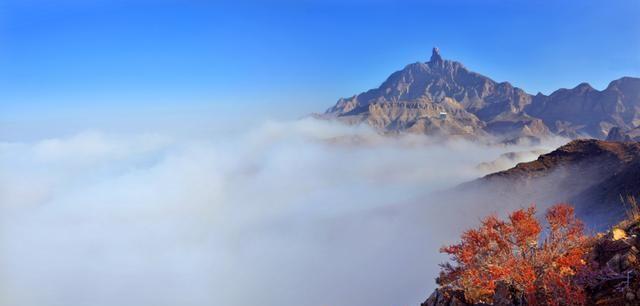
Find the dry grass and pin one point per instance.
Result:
(631, 208)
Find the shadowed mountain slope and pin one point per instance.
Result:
(590, 174)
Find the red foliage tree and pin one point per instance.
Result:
(511, 254)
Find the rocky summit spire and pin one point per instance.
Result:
(435, 55)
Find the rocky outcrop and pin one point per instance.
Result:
(418, 97)
(616, 134)
(502, 297)
(441, 298)
(620, 134)
(615, 254)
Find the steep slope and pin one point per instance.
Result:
(442, 97)
(590, 174)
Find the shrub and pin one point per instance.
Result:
(511, 254)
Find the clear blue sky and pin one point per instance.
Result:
(68, 60)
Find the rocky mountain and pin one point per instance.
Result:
(590, 174)
(442, 97)
(587, 111)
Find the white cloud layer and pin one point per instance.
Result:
(295, 213)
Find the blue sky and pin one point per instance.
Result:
(94, 64)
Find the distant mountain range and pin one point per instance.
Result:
(442, 97)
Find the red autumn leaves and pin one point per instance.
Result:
(511, 254)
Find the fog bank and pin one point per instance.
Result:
(289, 213)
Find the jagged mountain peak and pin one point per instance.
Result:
(584, 86)
(411, 95)
(435, 56)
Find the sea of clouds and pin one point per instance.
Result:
(297, 213)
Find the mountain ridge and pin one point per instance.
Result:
(588, 173)
(443, 97)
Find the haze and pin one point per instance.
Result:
(291, 213)
(161, 152)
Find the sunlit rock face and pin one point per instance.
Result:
(442, 97)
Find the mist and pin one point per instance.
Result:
(298, 213)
